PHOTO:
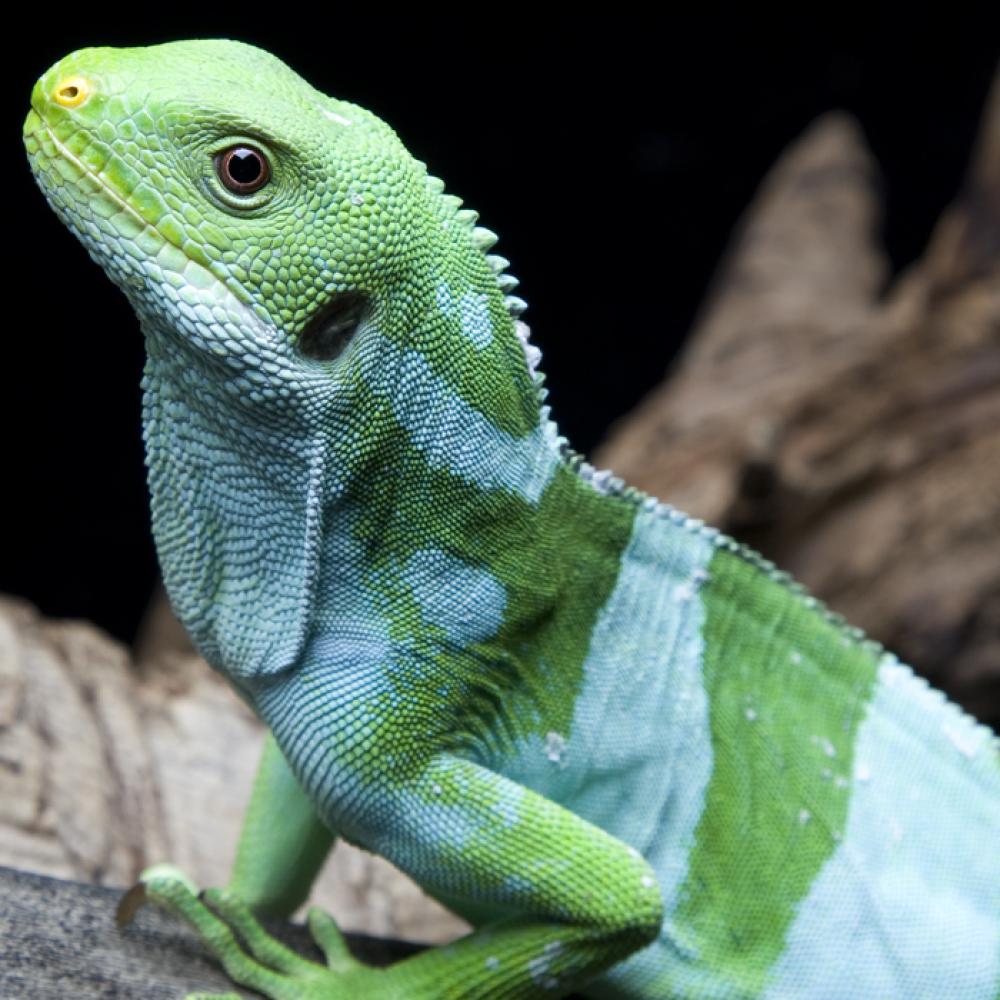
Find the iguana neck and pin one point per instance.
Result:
(441, 442)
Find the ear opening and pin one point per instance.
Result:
(328, 333)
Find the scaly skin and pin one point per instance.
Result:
(633, 754)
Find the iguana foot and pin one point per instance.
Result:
(250, 955)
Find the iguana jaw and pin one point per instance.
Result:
(106, 189)
(118, 233)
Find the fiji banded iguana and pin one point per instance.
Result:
(635, 756)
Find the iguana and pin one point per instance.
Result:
(638, 758)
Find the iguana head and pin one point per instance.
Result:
(210, 181)
(216, 150)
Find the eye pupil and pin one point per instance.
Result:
(243, 169)
(245, 166)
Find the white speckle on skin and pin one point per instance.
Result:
(647, 881)
(517, 885)
(555, 747)
(700, 576)
(474, 316)
(751, 714)
(507, 810)
(492, 963)
(683, 592)
(539, 967)
(828, 748)
(804, 816)
(796, 656)
(334, 117)
(436, 788)
(862, 772)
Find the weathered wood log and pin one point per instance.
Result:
(58, 939)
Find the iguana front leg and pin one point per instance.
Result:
(283, 842)
(573, 899)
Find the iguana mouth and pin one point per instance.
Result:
(34, 118)
(102, 182)
(40, 161)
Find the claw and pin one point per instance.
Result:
(129, 905)
(136, 897)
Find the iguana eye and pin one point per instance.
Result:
(243, 169)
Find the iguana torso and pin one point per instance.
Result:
(634, 754)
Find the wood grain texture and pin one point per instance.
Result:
(58, 939)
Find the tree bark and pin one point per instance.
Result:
(58, 939)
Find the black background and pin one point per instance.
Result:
(613, 156)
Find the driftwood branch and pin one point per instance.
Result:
(58, 939)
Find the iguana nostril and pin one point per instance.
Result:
(71, 92)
